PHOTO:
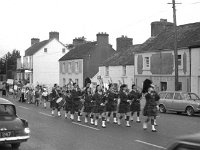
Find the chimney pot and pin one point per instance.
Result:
(54, 35)
(34, 41)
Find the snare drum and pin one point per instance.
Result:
(60, 101)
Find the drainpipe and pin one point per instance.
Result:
(190, 68)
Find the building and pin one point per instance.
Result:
(119, 68)
(84, 60)
(41, 63)
(155, 58)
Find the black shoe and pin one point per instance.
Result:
(128, 126)
(154, 130)
(138, 121)
(103, 126)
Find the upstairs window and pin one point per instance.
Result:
(146, 63)
(45, 50)
(180, 62)
(63, 50)
(70, 67)
(76, 67)
(107, 71)
(63, 68)
(124, 71)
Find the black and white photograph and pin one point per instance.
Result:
(100, 75)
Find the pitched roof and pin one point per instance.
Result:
(79, 51)
(122, 58)
(35, 47)
(187, 35)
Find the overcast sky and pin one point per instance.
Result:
(21, 20)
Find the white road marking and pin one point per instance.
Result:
(85, 126)
(24, 107)
(46, 114)
(150, 144)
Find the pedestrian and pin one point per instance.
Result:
(45, 97)
(135, 97)
(37, 97)
(4, 90)
(124, 105)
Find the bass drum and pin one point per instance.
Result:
(60, 102)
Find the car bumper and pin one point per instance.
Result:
(17, 139)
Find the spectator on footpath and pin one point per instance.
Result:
(37, 97)
(15, 90)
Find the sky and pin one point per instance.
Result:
(21, 20)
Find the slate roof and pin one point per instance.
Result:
(79, 52)
(122, 58)
(187, 35)
(36, 47)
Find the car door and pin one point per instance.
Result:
(178, 103)
(168, 100)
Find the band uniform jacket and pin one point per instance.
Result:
(135, 96)
(99, 99)
(150, 108)
(111, 101)
(88, 103)
(124, 106)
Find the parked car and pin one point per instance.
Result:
(180, 102)
(188, 142)
(13, 129)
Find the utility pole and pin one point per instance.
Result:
(175, 44)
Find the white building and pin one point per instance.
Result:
(41, 60)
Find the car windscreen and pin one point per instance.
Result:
(191, 96)
(7, 110)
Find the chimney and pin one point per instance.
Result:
(54, 35)
(102, 39)
(79, 41)
(34, 41)
(123, 43)
(158, 26)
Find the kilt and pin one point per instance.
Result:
(111, 106)
(68, 106)
(135, 106)
(53, 103)
(76, 106)
(150, 111)
(124, 108)
(88, 107)
(98, 109)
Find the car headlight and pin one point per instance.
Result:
(27, 130)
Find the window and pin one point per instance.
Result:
(169, 96)
(179, 86)
(163, 86)
(178, 96)
(76, 81)
(63, 68)
(45, 50)
(124, 71)
(146, 63)
(64, 81)
(63, 50)
(107, 71)
(70, 67)
(162, 95)
(180, 62)
(7, 110)
(76, 67)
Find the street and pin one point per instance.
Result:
(57, 133)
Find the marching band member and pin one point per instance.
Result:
(87, 103)
(111, 105)
(99, 107)
(76, 103)
(150, 108)
(124, 105)
(55, 96)
(135, 97)
(67, 98)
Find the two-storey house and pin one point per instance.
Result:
(155, 57)
(84, 59)
(41, 60)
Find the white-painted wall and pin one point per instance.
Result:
(116, 75)
(46, 64)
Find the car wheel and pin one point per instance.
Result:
(15, 145)
(190, 111)
(162, 108)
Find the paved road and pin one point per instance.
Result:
(54, 133)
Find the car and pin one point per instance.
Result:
(187, 142)
(13, 129)
(180, 102)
